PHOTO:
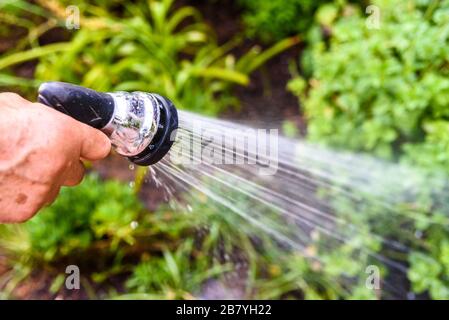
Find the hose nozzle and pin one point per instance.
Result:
(140, 125)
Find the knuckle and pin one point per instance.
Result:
(39, 107)
(37, 104)
(13, 99)
(10, 96)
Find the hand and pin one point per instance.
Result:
(40, 151)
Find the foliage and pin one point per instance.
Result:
(384, 91)
(374, 90)
(150, 48)
(426, 274)
(177, 274)
(273, 269)
(429, 268)
(274, 19)
(93, 221)
(271, 20)
(20, 30)
(180, 249)
(92, 212)
(388, 99)
(102, 225)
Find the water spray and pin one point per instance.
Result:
(141, 125)
(310, 205)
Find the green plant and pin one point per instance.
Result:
(324, 269)
(385, 91)
(429, 266)
(102, 224)
(426, 274)
(91, 213)
(385, 100)
(272, 20)
(94, 223)
(21, 31)
(175, 275)
(275, 19)
(151, 48)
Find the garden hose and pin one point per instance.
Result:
(141, 125)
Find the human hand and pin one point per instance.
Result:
(40, 151)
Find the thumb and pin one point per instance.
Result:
(95, 144)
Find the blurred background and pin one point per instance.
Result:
(363, 76)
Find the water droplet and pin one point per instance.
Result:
(189, 208)
(134, 225)
(315, 235)
(132, 184)
(132, 166)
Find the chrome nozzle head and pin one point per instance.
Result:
(141, 125)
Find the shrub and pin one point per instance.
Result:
(271, 20)
(385, 91)
(274, 19)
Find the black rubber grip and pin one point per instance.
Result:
(86, 105)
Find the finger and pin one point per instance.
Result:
(95, 145)
(74, 175)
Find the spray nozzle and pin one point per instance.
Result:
(140, 125)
